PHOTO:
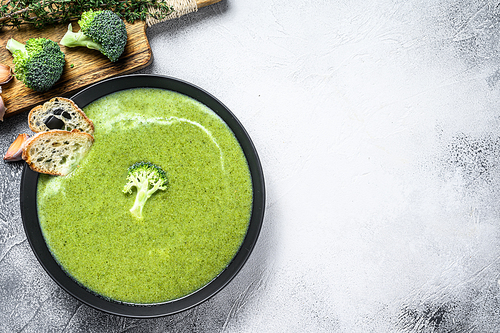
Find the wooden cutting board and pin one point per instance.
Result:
(83, 66)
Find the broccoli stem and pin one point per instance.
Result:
(13, 46)
(143, 194)
(73, 39)
(140, 200)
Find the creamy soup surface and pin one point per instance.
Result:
(189, 233)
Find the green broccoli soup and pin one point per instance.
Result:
(187, 234)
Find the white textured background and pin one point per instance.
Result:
(377, 123)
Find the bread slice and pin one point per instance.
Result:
(59, 113)
(56, 152)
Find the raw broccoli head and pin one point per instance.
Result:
(101, 30)
(147, 178)
(38, 64)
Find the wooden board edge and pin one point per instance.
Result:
(204, 3)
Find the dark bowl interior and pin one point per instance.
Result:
(29, 214)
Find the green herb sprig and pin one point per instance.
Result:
(42, 13)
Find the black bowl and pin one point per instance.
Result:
(29, 213)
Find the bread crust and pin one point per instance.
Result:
(78, 120)
(56, 152)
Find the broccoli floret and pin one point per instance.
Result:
(38, 64)
(101, 30)
(147, 179)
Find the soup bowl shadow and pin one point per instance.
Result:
(28, 200)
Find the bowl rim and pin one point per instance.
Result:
(29, 215)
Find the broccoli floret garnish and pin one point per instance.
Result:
(147, 179)
(101, 30)
(38, 64)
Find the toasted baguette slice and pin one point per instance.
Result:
(59, 113)
(56, 152)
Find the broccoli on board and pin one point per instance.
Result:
(101, 30)
(38, 64)
(147, 179)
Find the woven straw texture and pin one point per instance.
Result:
(181, 7)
